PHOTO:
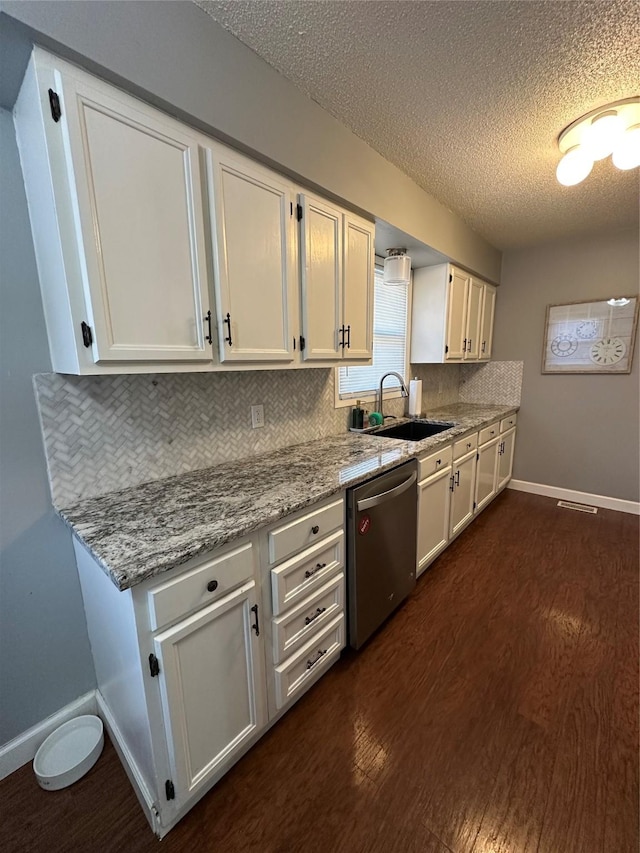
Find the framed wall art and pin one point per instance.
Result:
(590, 337)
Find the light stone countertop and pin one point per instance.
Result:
(144, 530)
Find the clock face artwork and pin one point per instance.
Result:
(590, 337)
(607, 351)
(564, 346)
(587, 330)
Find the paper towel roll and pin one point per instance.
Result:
(415, 397)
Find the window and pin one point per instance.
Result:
(390, 316)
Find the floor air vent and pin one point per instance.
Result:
(579, 507)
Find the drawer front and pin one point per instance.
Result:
(508, 422)
(435, 462)
(200, 586)
(296, 535)
(489, 432)
(314, 657)
(464, 445)
(298, 577)
(297, 625)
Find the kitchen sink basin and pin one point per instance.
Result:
(412, 430)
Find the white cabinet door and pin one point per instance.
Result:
(433, 517)
(134, 180)
(463, 478)
(357, 312)
(486, 473)
(254, 259)
(456, 315)
(486, 327)
(213, 687)
(474, 310)
(321, 270)
(505, 458)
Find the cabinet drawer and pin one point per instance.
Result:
(508, 422)
(316, 656)
(311, 615)
(206, 583)
(300, 576)
(304, 531)
(489, 432)
(435, 462)
(464, 445)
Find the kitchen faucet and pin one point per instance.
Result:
(403, 390)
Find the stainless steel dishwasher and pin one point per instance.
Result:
(381, 567)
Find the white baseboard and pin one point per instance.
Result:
(617, 504)
(22, 749)
(131, 768)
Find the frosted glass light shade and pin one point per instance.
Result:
(601, 136)
(574, 167)
(626, 154)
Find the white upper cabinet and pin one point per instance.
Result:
(129, 271)
(159, 249)
(357, 300)
(452, 316)
(321, 265)
(337, 269)
(472, 326)
(488, 316)
(254, 258)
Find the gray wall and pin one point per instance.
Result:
(45, 660)
(175, 55)
(574, 431)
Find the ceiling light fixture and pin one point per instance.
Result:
(397, 267)
(613, 129)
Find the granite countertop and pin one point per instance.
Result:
(144, 530)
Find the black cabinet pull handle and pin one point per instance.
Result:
(227, 320)
(458, 477)
(469, 344)
(438, 461)
(208, 337)
(348, 337)
(341, 333)
(468, 445)
(311, 572)
(452, 483)
(314, 661)
(256, 627)
(464, 345)
(311, 619)
(212, 586)
(484, 344)
(315, 529)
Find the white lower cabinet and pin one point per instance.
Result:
(462, 485)
(304, 596)
(505, 458)
(212, 684)
(486, 473)
(433, 517)
(193, 666)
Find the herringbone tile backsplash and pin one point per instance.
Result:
(492, 382)
(104, 433)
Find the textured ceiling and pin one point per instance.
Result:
(467, 98)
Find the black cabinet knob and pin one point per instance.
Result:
(212, 586)
(315, 529)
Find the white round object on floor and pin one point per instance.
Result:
(69, 752)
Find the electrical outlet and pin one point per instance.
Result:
(257, 416)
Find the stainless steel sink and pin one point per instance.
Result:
(412, 430)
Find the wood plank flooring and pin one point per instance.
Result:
(496, 712)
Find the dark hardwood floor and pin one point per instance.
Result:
(496, 712)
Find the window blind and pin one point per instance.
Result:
(390, 307)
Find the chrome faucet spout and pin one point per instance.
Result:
(403, 389)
